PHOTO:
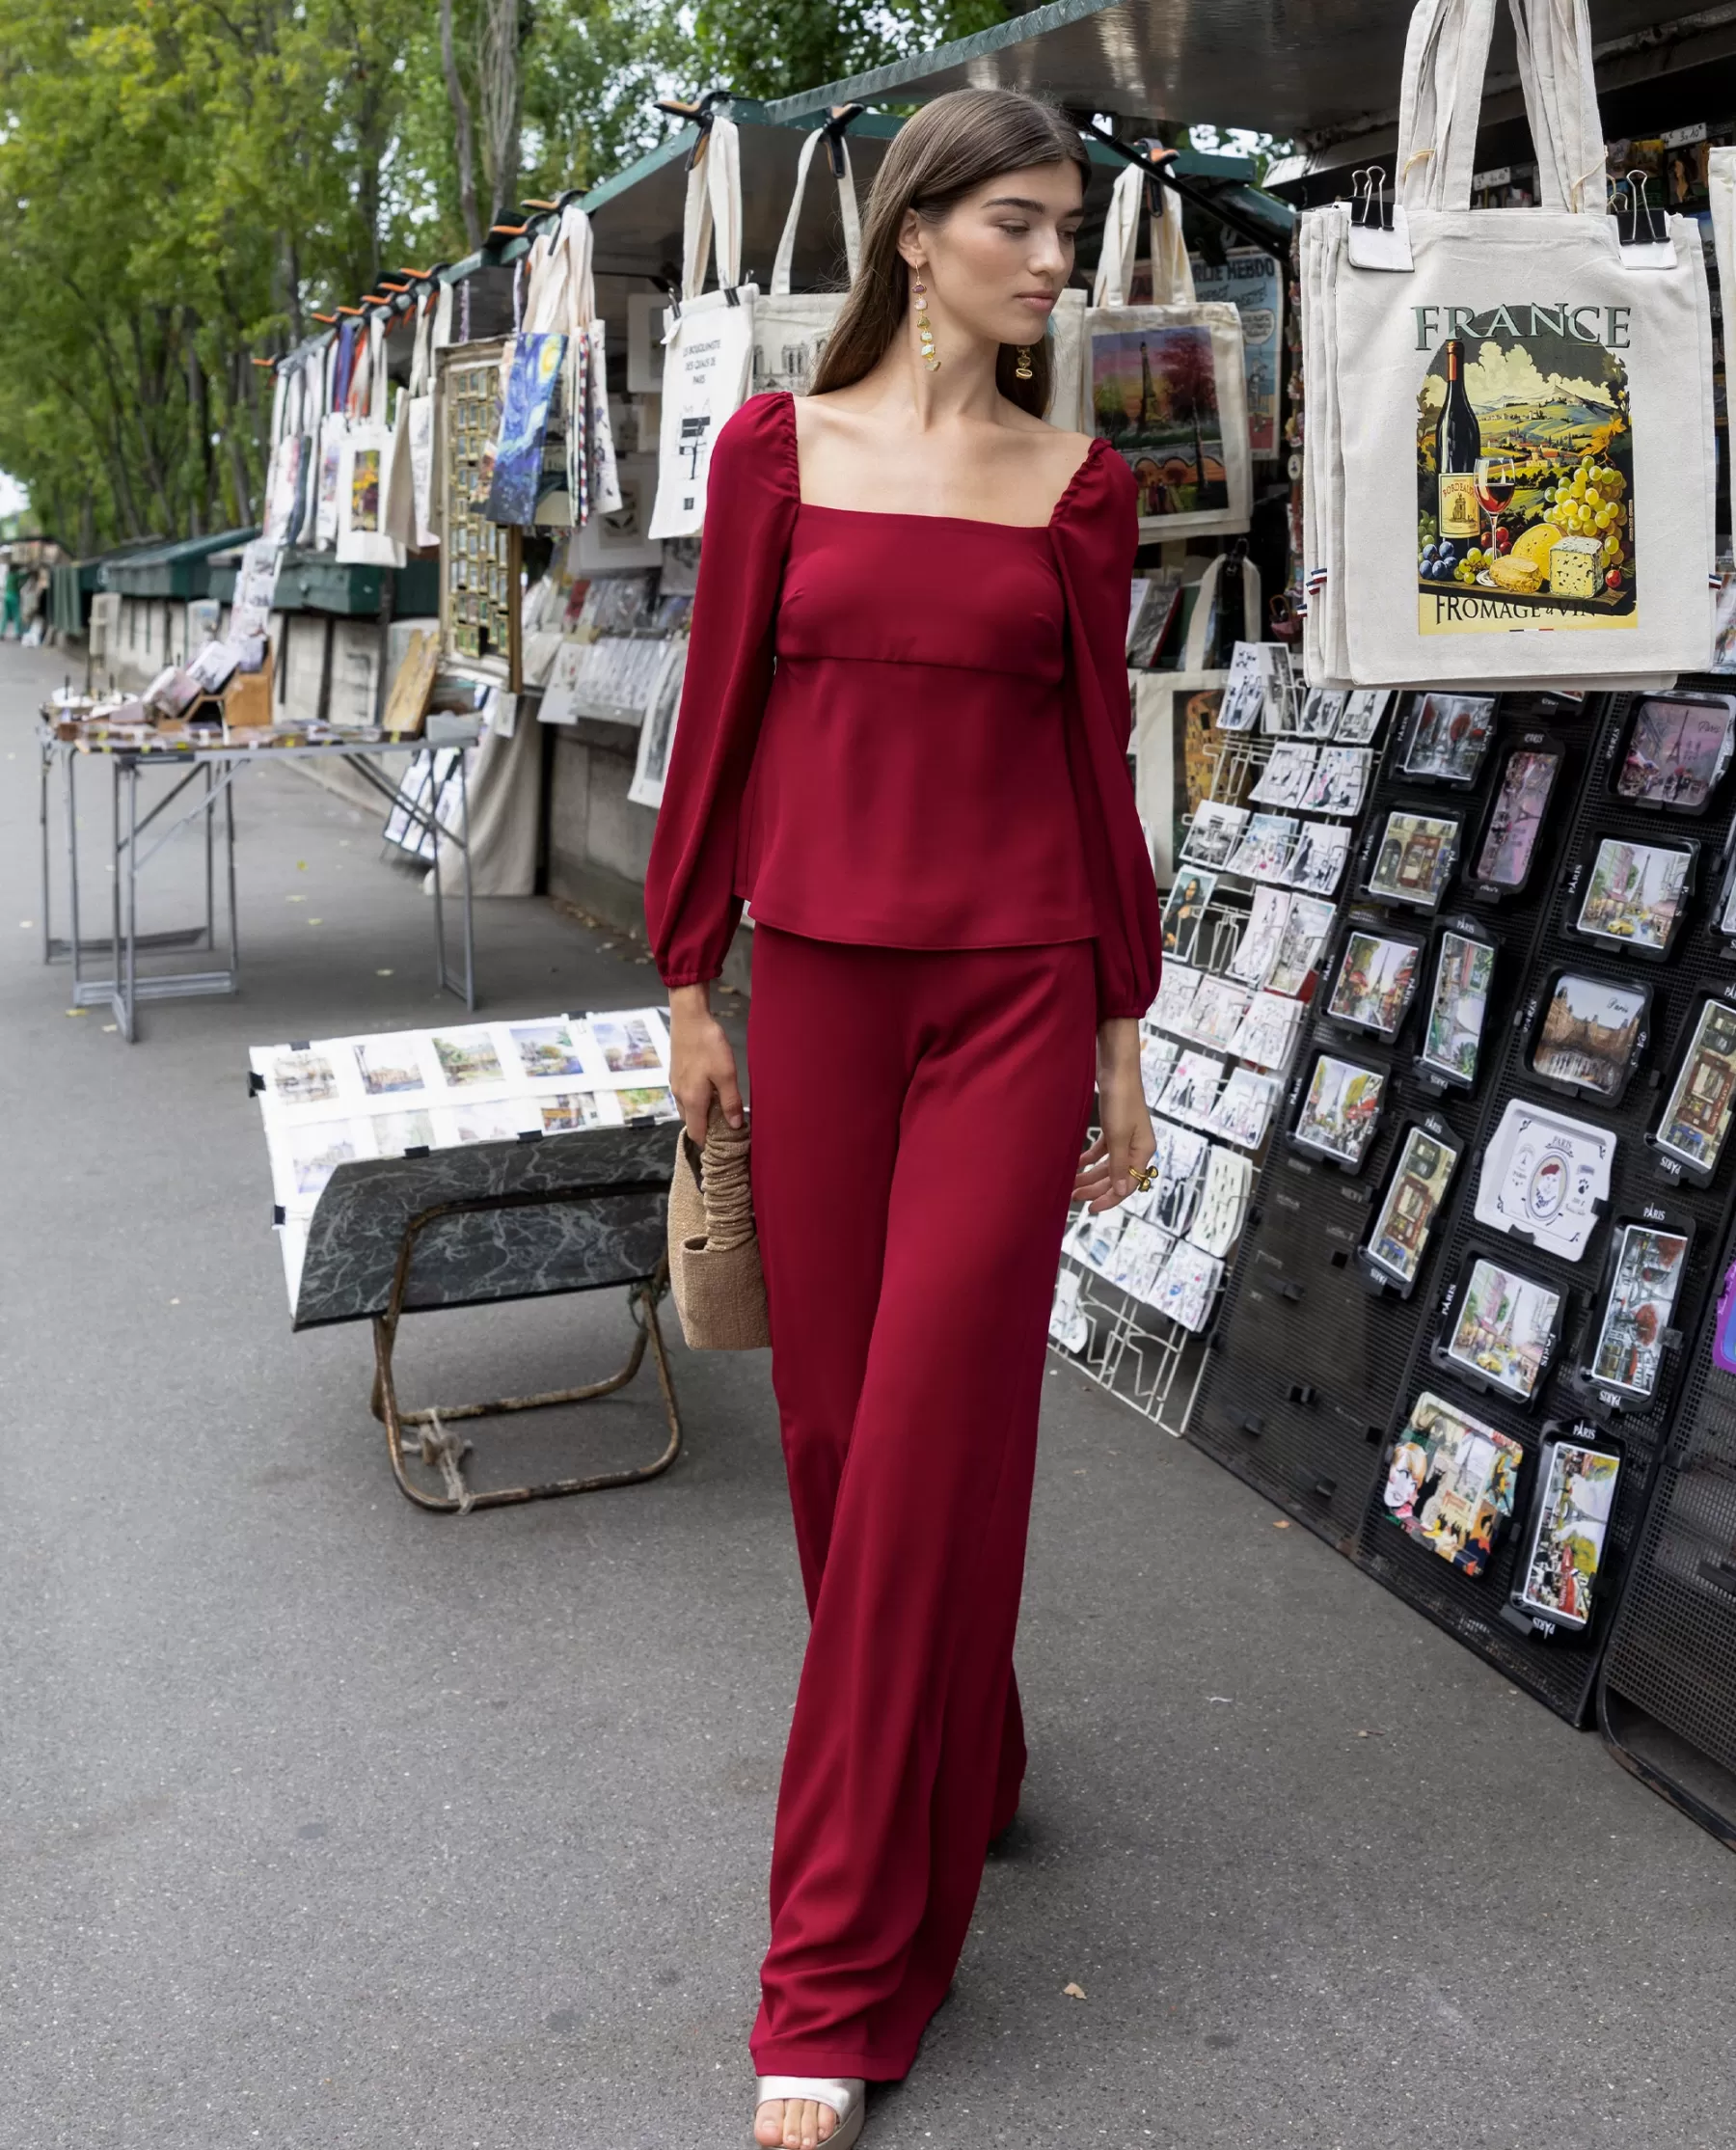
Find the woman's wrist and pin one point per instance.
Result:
(691, 1000)
(1117, 1043)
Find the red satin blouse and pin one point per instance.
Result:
(905, 730)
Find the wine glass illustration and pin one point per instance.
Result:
(1497, 477)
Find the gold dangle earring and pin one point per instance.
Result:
(1022, 363)
(924, 328)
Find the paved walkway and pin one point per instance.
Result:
(325, 1825)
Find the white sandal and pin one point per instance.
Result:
(843, 2093)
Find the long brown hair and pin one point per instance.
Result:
(952, 147)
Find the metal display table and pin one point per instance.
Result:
(201, 792)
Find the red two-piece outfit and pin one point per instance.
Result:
(904, 738)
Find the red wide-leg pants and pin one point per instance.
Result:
(917, 1121)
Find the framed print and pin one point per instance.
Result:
(1501, 1329)
(1243, 1111)
(1244, 693)
(1262, 936)
(1558, 1577)
(1317, 863)
(1266, 846)
(1306, 924)
(1414, 858)
(1447, 737)
(1340, 779)
(1213, 834)
(1544, 1178)
(1678, 745)
(1376, 981)
(1646, 1263)
(1341, 1109)
(1696, 1114)
(1452, 1481)
(1590, 1034)
(1410, 1206)
(1287, 776)
(1184, 914)
(1319, 713)
(1458, 1006)
(1361, 718)
(1504, 857)
(1634, 895)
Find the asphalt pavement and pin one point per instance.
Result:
(329, 1825)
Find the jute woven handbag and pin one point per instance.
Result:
(713, 1249)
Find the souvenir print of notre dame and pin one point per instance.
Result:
(1524, 470)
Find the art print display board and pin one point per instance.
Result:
(479, 557)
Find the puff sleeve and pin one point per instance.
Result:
(751, 493)
(1095, 535)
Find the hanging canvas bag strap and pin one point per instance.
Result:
(785, 260)
(419, 351)
(379, 385)
(1171, 274)
(713, 221)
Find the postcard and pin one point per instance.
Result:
(1559, 1575)
(1187, 1286)
(1282, 700)
(1223, 1202)
(1453, 1035)
(1319, 713)
(388, 1066)
(397, 1133)
(1376, 982)
(1068, 1324)
(1266, 846)
(1635, 894)
(1341, 1109)
(1262, 937)
(1243, 1112)
(1511, 841)
(1184, 914)
(1641, 1302)
(1286, 778)
(1157, 1056)
(1180, 1165)
(1218, 1011)
(1317, 865)
(302, 1078)
(1305, 929)
(1213, 834)
(1094, 1238)
(1362, 715)
(1139, 1255)
(1175, 990)
(1339, 779)
(1413, 1201)
(1192, 1088)
(547, 1048)
(1543, 1177)
(1449, 734)
(1505, 1329)
(1591, 1032)
(1413, 862)
(1697, 1117)
(1452, 1482)
(1269, 1031)
(1678, 748)
(1244, 693)
(467, 1057)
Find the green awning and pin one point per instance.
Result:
(178, 570)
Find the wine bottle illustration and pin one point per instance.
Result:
(1458, 443)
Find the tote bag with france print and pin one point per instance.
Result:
(790, 329)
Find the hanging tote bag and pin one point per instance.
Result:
(291, 453)
(531, 373)
(579, 463)
(1524, 406)
(402, 516)
(1066, 333)
(790, 329)
(333, 427)
(708, 338)
(362, 539)
(1164, 384)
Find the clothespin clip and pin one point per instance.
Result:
(834, 128)
(700, 112)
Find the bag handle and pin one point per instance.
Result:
(711, 223)
(1193, 648)
(1172, 273)
(784, 262)
(378, 379)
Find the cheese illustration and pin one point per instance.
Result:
(1573, 567)
(1520, 576)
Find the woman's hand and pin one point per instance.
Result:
(703, 1061)
(1112, 1163)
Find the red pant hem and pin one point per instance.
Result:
(778, 2060)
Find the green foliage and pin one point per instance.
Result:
(776, 52)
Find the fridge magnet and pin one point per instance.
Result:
(1634, 895)
(1696, 1114)
(1306, 925)
(1363, 713)
(1376, 982)
(1186, 1285)
(1447, 737)
(1317, 865)
(1341, 1109)
(1269, 1031)
(1266, 846)
(1452, 1482)
(1544, 1176)
(1577, 1498)
(1243, 1113)
(1213, 834)
(1244, 691)
(1261, 938)
(1678, 746)
(1217, 1012)
(1319, 713)
(468, 1058)
(1590, 1035)
(1504, 857)
(1340, 779)
(1414, 859)
(1176, 987)
(1459, 1003)
(1185, 915)
(1286, 778)
(1178, 1164)
(1192, 1089)
(1223, 1203)
(1646, 1278)
(388, 1066)
(1500, 1333)
(1411, 1204)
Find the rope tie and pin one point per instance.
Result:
(447, 1451)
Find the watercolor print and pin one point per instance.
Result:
(1158, 1057)
(655, 1103)
(1643, 1296)
(1634, 894)
(1506, 1328)
(1179, 1162)
(394, 1133)
(304, 1077)
(1448, 736)
(1153, 394)
(1697, 1115)
(1413, 1201)
(1184, 914)
(1677, 750)
(388, 1066)
(1573, 1521)
(1525, 477)
(1223, 1203)
(547, 1048)
(1213, 834)
(1341, 1109)
(1375, 982)
(1460, 1003)
(467, 1058)
(1526, 783)
(1451, 1483)
(1306, 926)
(1362, 715)
(625, 1042)
(1415, 859)
(569, 1110)
(315, 1153)
(1590, 1034)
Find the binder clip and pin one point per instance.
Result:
(1641, 231)
(1380, 232)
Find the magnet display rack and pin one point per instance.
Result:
(1558, 1665)
(1305, 1367)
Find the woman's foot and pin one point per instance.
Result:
(794, 2124)
(802, 2112)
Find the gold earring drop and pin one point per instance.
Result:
(924, 328)
(1021, 364)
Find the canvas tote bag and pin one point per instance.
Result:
(291, 453)
(708, 338)
(1165, 384)
(362, 539)
(405, 502)
(579, 442)
(1167, 704)
(329, 433)
(1066, 333)
(790, 329)
(1527, 334)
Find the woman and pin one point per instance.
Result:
(903, 735)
